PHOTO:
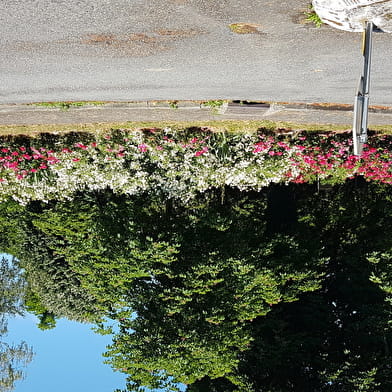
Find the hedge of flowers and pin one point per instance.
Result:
(179, 164)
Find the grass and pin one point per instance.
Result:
(68, 104)
(225, 125)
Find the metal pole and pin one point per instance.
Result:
(361, 103)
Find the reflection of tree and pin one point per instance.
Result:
(278, 290)
(337, 338)
(12, 360)
(12, 357)
(11, 287)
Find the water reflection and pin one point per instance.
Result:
(283, 288)
(67, 358)
(13, 356)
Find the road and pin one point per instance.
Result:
(128, 50)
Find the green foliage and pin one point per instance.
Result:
(11, 232)
(52, 283)
(312, 17)
(285, 289)
(214, 105)
(337, 338)
(196, 309)
(382, 274)
(34, 305)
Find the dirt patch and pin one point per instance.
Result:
(138, 44)
(299, 18)
(178, 33)
(106, 39)
(245, 28)
(116, 40)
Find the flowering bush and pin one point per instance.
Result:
(181, 164)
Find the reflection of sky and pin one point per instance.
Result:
(67, 358)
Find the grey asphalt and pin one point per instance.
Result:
(22, 114)
(130, 50)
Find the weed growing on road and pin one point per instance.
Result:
(173, 104)
(312, 17)
(214, 105)
(67, 105)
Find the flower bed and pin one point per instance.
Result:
(179, 164)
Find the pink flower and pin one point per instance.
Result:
(52, 159)
(142, 147)
(201, 152)
(283, 145)
(81, 145)
(10, 165)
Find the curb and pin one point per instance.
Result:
(204, 105)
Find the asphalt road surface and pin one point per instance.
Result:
(56, 50)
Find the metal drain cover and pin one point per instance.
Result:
(352, 15)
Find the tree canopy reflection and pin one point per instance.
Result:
(283, 289)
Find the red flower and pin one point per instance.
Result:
(201, 152)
